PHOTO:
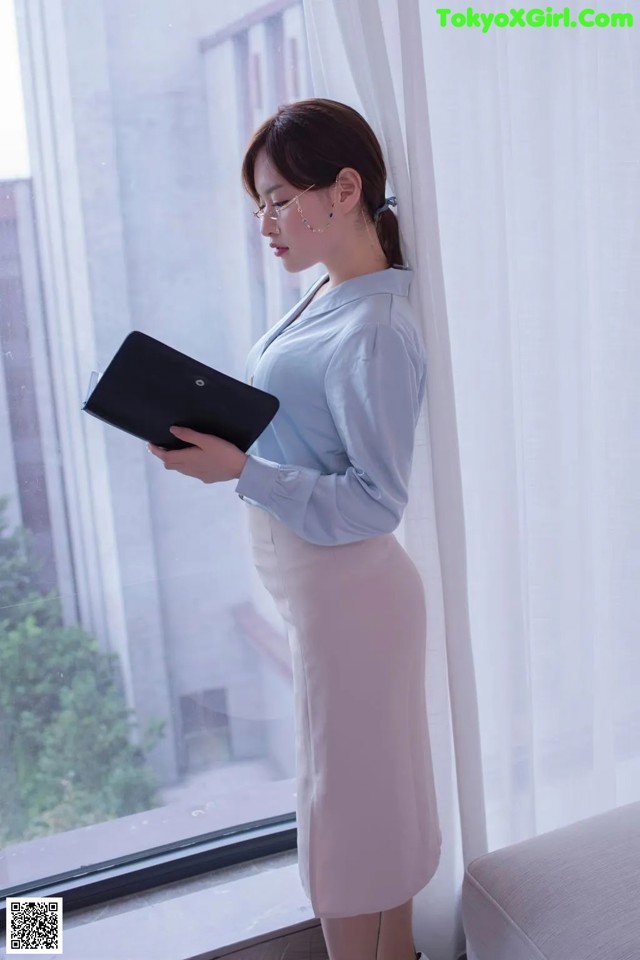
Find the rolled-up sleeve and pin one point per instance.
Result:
(375, 383)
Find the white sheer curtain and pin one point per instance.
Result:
(518, 186)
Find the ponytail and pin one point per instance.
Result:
(388, 231)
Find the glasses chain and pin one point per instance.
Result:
(308, 225)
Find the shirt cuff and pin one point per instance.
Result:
(257, 479)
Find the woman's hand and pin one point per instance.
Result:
(211, 459)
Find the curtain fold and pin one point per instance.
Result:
(518, 188)
(433, 526)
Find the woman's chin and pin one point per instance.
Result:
(289, 264)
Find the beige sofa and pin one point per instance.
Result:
(570, 894)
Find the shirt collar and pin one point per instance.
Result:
(396, 279)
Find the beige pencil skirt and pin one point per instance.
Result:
(367, 821)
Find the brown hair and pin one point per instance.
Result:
(310, 141)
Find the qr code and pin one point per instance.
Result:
(34, 925)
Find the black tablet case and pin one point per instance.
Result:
(149, 387)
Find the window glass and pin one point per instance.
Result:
(145, 679)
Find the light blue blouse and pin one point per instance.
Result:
(349, 370)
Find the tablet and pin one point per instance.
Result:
(149, 387)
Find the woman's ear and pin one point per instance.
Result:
(349, 188)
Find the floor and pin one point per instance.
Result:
(304, 945)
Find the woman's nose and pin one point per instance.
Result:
(268, 225)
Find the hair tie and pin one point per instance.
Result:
(388, 202)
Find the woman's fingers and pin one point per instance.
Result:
(187, 434)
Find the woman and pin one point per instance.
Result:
(325, 486)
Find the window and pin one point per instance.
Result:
(205, 730)
(141, 661)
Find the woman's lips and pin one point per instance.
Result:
(280, 250)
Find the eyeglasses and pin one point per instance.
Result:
(259, 214)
